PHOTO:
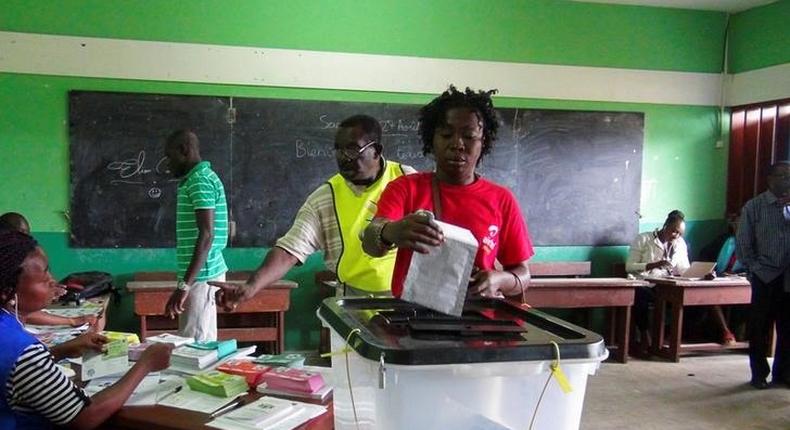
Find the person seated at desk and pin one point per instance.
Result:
(332, 218)
(661, 252)
(36, 394)
(459, 128)
(16, 221)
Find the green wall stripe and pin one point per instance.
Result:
(528, 31)
(760, 37)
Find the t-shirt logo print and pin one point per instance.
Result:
(489, 242)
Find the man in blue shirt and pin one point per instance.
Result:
(763, 246)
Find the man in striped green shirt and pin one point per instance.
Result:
(201, 235)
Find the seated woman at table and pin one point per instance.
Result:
(655, 253)
(16, 221)
(459, 128)
(36, 394)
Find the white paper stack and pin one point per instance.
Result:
(439, 280)
(193, 358)
(171, 339)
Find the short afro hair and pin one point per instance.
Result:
(434, 115)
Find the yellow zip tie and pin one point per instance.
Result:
(557, 372)
(346, 349)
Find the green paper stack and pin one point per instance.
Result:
(218, 384)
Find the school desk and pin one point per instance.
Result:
(676, 294)
(259, 319)
(616, 294)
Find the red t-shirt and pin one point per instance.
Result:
(488, 210)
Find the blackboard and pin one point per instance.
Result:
(576, 174)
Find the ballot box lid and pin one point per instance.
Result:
(489, 330)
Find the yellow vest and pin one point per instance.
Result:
(354, 212)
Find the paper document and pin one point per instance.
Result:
(114, 360)
(196, 401)
(268, 413)
(153, 387)
(439, 280)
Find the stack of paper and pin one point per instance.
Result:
(200, 355)
(268, 413)
(281, 360)
(135, 351)
(252, 372)
(171, 339)
(293, 380)
(130, 338)
(193, 358)
(439, 280)
(218, 384)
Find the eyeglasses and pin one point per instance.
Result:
(351, 154)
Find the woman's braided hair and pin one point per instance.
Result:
(14, 249)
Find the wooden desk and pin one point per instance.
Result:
(676, 294)
(167, 418)
(617, 294)
(260, 319)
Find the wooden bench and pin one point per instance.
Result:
(260, 319)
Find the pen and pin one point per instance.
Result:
(230, 406)
(177, 389)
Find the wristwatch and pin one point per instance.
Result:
(183, 286)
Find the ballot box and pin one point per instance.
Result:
(397, 365)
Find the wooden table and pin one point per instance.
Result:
(617, 294)
(260, 319)
(676, 294)
(167, 418)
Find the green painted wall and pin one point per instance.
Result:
(760, 37)
(682, 169)
(531, 31)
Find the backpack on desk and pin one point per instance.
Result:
(84, 285)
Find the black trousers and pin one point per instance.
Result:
(770, 304)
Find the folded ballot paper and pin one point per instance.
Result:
(439, 280)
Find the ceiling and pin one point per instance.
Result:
(731, 6)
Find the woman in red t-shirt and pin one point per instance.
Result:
(459, 128)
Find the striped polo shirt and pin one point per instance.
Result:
(201, 188)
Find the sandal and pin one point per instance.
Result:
(728, 339)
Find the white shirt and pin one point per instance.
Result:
(647, 248)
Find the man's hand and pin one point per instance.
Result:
(414, 231)
(229, 296)
(175, 304)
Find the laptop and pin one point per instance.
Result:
(697, 271)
